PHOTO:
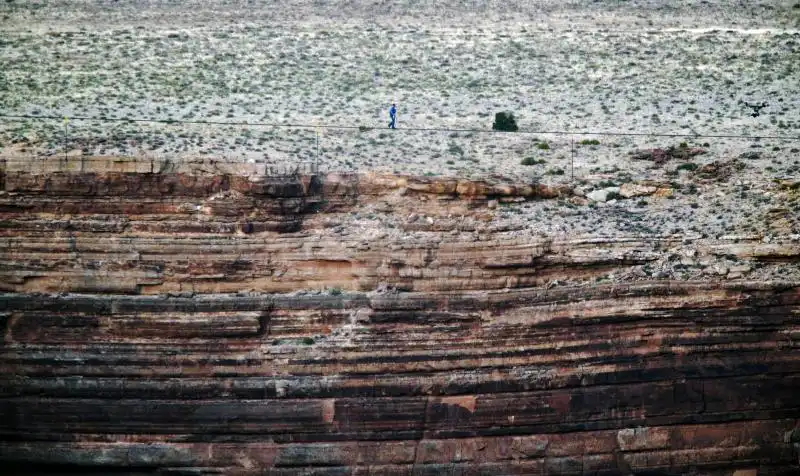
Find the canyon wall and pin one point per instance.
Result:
(222, 320)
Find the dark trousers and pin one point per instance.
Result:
(392, 121)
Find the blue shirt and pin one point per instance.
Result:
(392, 111)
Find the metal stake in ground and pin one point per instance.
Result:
(572, 161)
(315, 166)
(66, 137)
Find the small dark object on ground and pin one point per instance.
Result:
(750, 155)
(756, 108)
(719, 170)
(659, 156)
(504, 121)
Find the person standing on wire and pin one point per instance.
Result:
(393, 117)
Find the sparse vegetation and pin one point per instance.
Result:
(532, 161)
(341, 76)
(505, 121)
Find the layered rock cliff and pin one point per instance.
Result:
(224, 320)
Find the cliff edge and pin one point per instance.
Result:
(217, 319)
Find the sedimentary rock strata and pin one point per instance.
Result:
(237, 323)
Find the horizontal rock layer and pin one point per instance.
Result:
(202, 324)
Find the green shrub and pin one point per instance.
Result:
(504, 121)
(590, 142)
(532, 161)
(543, 146)
(455, 149)
(690, 166)
(555, 171)
(308, 341)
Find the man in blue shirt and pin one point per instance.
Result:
(393, 116)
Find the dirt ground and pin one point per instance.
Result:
(589, 82)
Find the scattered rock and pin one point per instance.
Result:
(719, 269)
(604, 194)
(788, 184)
(579, 191)
(663, 192)
(719, 170)
(384, 207)
(738, 271)
(630, 190)
(659, 156)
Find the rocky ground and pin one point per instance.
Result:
(630, 67)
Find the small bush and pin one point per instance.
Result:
(455, 149)
(543, 146)
(590, 142)
(690, 166)
(308, 341)
(683, 145)
(335, 291)
(532, 161)
(555, 171)
(504, 121)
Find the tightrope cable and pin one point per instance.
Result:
(415, 129)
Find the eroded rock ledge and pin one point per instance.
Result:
(235, 323)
